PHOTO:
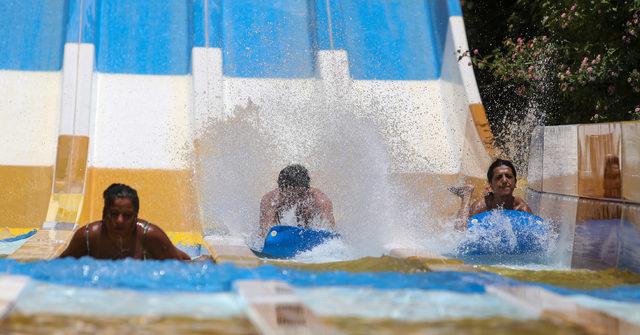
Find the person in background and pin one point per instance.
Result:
(612, 183)
(121, 234)
(307, 205)
(501, 176)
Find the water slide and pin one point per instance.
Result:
(198, 105)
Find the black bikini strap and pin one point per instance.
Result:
(145, 228)
(86, 239)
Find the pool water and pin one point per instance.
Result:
(384, 295)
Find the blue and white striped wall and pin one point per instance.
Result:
(141, 80)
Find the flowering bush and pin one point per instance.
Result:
(579, 59)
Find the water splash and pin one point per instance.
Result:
(505, 240)
(242, 152)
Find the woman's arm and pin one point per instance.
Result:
(78, 245)
(159, 246)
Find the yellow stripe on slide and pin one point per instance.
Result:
(25, 196)
(186, 238)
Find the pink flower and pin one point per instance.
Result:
(637, 110)
(589, 69)
(475, 51)
(563, 15)
(597, 59)
(520, 40)
(574, 7)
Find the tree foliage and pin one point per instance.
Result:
(577, 61)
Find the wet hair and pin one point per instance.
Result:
(500, 162)
(294, 175)
(120, 191)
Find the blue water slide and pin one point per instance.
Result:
(384, 39)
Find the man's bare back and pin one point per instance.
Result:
(295, 202)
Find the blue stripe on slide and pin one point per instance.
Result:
(323, 14)
(20, 237)
(391, 40)
(267, 39)
(88, 21)
(214, 23)
(144, 36)
(454, 7)
(385, 39)
(32, 34)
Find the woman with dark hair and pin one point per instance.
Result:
(501, 176)
(121, 234)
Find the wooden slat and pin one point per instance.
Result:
(273, 308)
(225, 250)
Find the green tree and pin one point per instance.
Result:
(576, 61)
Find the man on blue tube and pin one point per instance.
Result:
(295, 203)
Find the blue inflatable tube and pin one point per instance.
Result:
(288, 241)
(508, 232)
